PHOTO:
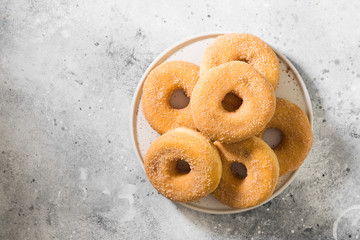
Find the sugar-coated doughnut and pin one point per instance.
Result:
(262, 173)
(158, 88)
(242, 47)
(256, 110)
(297, 137)
(187, 145)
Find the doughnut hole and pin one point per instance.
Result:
(239, 170)
(273, 137)
(182, 167)
(179, 99)
(245, 60)
(231, 102)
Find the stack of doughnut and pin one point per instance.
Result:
(215, 144)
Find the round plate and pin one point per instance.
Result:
(291, 87)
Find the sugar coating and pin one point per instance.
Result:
(242, 47)
(262, 173)
(197, 151)
(257, 108)
(158, 87)
(297, 137)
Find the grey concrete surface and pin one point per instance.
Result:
(68, 71)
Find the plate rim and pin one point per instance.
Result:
(167, 53)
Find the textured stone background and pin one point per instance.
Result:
(68, 71)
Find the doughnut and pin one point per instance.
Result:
(183, 165)
(242, 47)
(297, 137)
(256, 110)
(158, 88)
(257, 183)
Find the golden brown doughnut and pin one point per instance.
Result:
(256, 110)
(184, 144)
(297, 137)
(242, 47)
(158, 87)
(262, 173)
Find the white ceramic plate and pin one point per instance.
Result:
(291, 87)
